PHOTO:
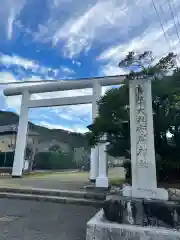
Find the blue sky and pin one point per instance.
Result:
(66, 39)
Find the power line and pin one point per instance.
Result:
(162, 27)
(172, 14)
(178, 21)
(164, 32)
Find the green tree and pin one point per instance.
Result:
(55, 148)
(113, 118)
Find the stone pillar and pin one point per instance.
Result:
(94, 151)
(18, 163)
(144, 183)
(102, 179)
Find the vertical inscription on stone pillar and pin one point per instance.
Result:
(141, 127)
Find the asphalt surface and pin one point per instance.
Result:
(31, 220)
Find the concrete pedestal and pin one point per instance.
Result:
(102, 182)
(157, 193)
(100, 229)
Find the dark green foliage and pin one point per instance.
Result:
(166, 170)
(114, 120)
(53, 160)
(6, 159)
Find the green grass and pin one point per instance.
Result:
(38, 174)
(59, 174)
(116, 181)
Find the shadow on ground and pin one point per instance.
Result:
(31, 220)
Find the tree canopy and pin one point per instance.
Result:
(113, 119)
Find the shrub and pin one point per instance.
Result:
(6, 159)
(166, 170)
(53, 160)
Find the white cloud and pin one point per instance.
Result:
(18, 61)
(54, 126)
(73, 128)
(80, 32)
(89, 21)
(67, 70)
(7, 77)
(78, 63)
(10, 24)
(111, 69)
(35, 67)
(9, 12)
(152, 39)
(121, 25)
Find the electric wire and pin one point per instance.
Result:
(163, 29)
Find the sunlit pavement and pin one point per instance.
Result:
(30, 220)
(62, 181)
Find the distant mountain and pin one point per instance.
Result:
(74, 139)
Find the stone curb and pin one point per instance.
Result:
(55, 193)
(54, 199)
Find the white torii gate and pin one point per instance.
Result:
(98, 166)
(144, 183)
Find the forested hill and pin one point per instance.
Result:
(74, 139)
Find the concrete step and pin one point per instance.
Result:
(55, 199)
(58, 193)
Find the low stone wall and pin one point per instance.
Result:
(100, 229)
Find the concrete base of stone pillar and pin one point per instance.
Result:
(157, 193)
(102, 182)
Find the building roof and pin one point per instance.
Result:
(13, 128)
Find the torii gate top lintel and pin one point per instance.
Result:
(65, 85)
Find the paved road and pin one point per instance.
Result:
(43, 221)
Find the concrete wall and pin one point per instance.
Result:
(116, 160)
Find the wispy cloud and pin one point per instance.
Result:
(6, 77)
(87, 23)
(152, 38)
(10, 24)
(134, 24)
(35, 66)
(18, 61)
(102, 30)
(9, 12)
(67, 70)
(72, 128)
